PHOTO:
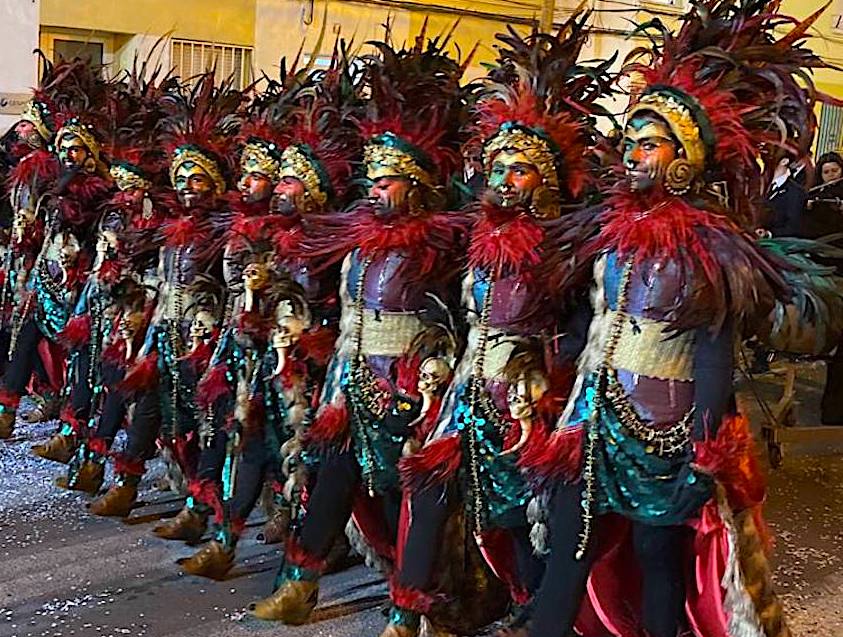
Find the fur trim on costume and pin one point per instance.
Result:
(208, 493)
(68, 416)
(554, 456)
(295, 554)
(77, 331)
(125, 465)
(358, 543)
(143, 376)
(331, 426)
(317, 345)
(436, 463)
(213, 386)
(413, 599)
(503, 242)
(98, 446)
(9, 399)
(730, 457)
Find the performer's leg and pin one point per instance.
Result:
(557, 600)
(530, 566)
(130, 465)
(328, 511)
(16, 376)
(660, 554)
(832, 400)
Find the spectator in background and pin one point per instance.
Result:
(785, 200)
(824, 216)
(803, 171)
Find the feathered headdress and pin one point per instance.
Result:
(415, 111)
(323, 139)
(731, 90)
(538, 100)
(200, 127)
(134, 107)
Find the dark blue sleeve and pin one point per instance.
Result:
(713, 368)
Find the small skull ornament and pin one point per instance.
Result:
(202, 326)
(130, 324)
(522, 398)
(288, 326)
(255, 276)
(21, 223)
(433, 375)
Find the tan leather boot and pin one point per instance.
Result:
(117, 502)
(276, 528)
(7, 424)
(88, 478)
(188, 526)
(59, 448)
(213, 561)
(396, 630)
(292, 603)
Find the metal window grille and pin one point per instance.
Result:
(191, 58)
(831, 129)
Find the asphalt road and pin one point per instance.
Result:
(64, 572)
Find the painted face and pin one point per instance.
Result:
(831, 171)
(648, 149)
(130, 324)
(25, 131)
(202, 326)
(390, 195)
(513, 179)
(254, 187)
(288, 326)
(255, 276)
(193, 185)
(433, 374)
(288, 197)
(74, 155)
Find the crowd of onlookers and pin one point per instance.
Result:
(805, 199)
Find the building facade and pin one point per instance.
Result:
(248, 38)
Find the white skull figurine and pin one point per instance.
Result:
(202, 326)
(433, 374)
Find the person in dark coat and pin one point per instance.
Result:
(824, 216)
(785, 200)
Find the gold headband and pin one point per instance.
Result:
(32, 114)
(535, 148)
(257, 159)
(681, 122)
(387, 161)
(294, 163)
(75, 129)
(186, 155)
(128, 179)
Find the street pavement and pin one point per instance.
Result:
(64, 572)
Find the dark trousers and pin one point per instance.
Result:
(329, 506)
(114, 405)
(430, 509)
(144, 426)
(659, 551)
(25, 360)
(255, 464)
(81, 392)
(832, 401)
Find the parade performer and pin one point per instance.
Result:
(197, 133)
(402, 251)
(66, 209)
(656, 492)
(274, 365)
(138, 168)
(532, 124)
(246, 253)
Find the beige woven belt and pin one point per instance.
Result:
(499, 346)
(645, 348)
(388, 333)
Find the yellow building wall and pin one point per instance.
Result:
(827, 42)
(220, 21)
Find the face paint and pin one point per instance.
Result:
(288, 198)
(193, 184)
(254, 187)
(513, 179)
(74, 155)
(390, 195)
(648, 149)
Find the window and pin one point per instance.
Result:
(70, 49)
(194, 58)
(830, 135)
